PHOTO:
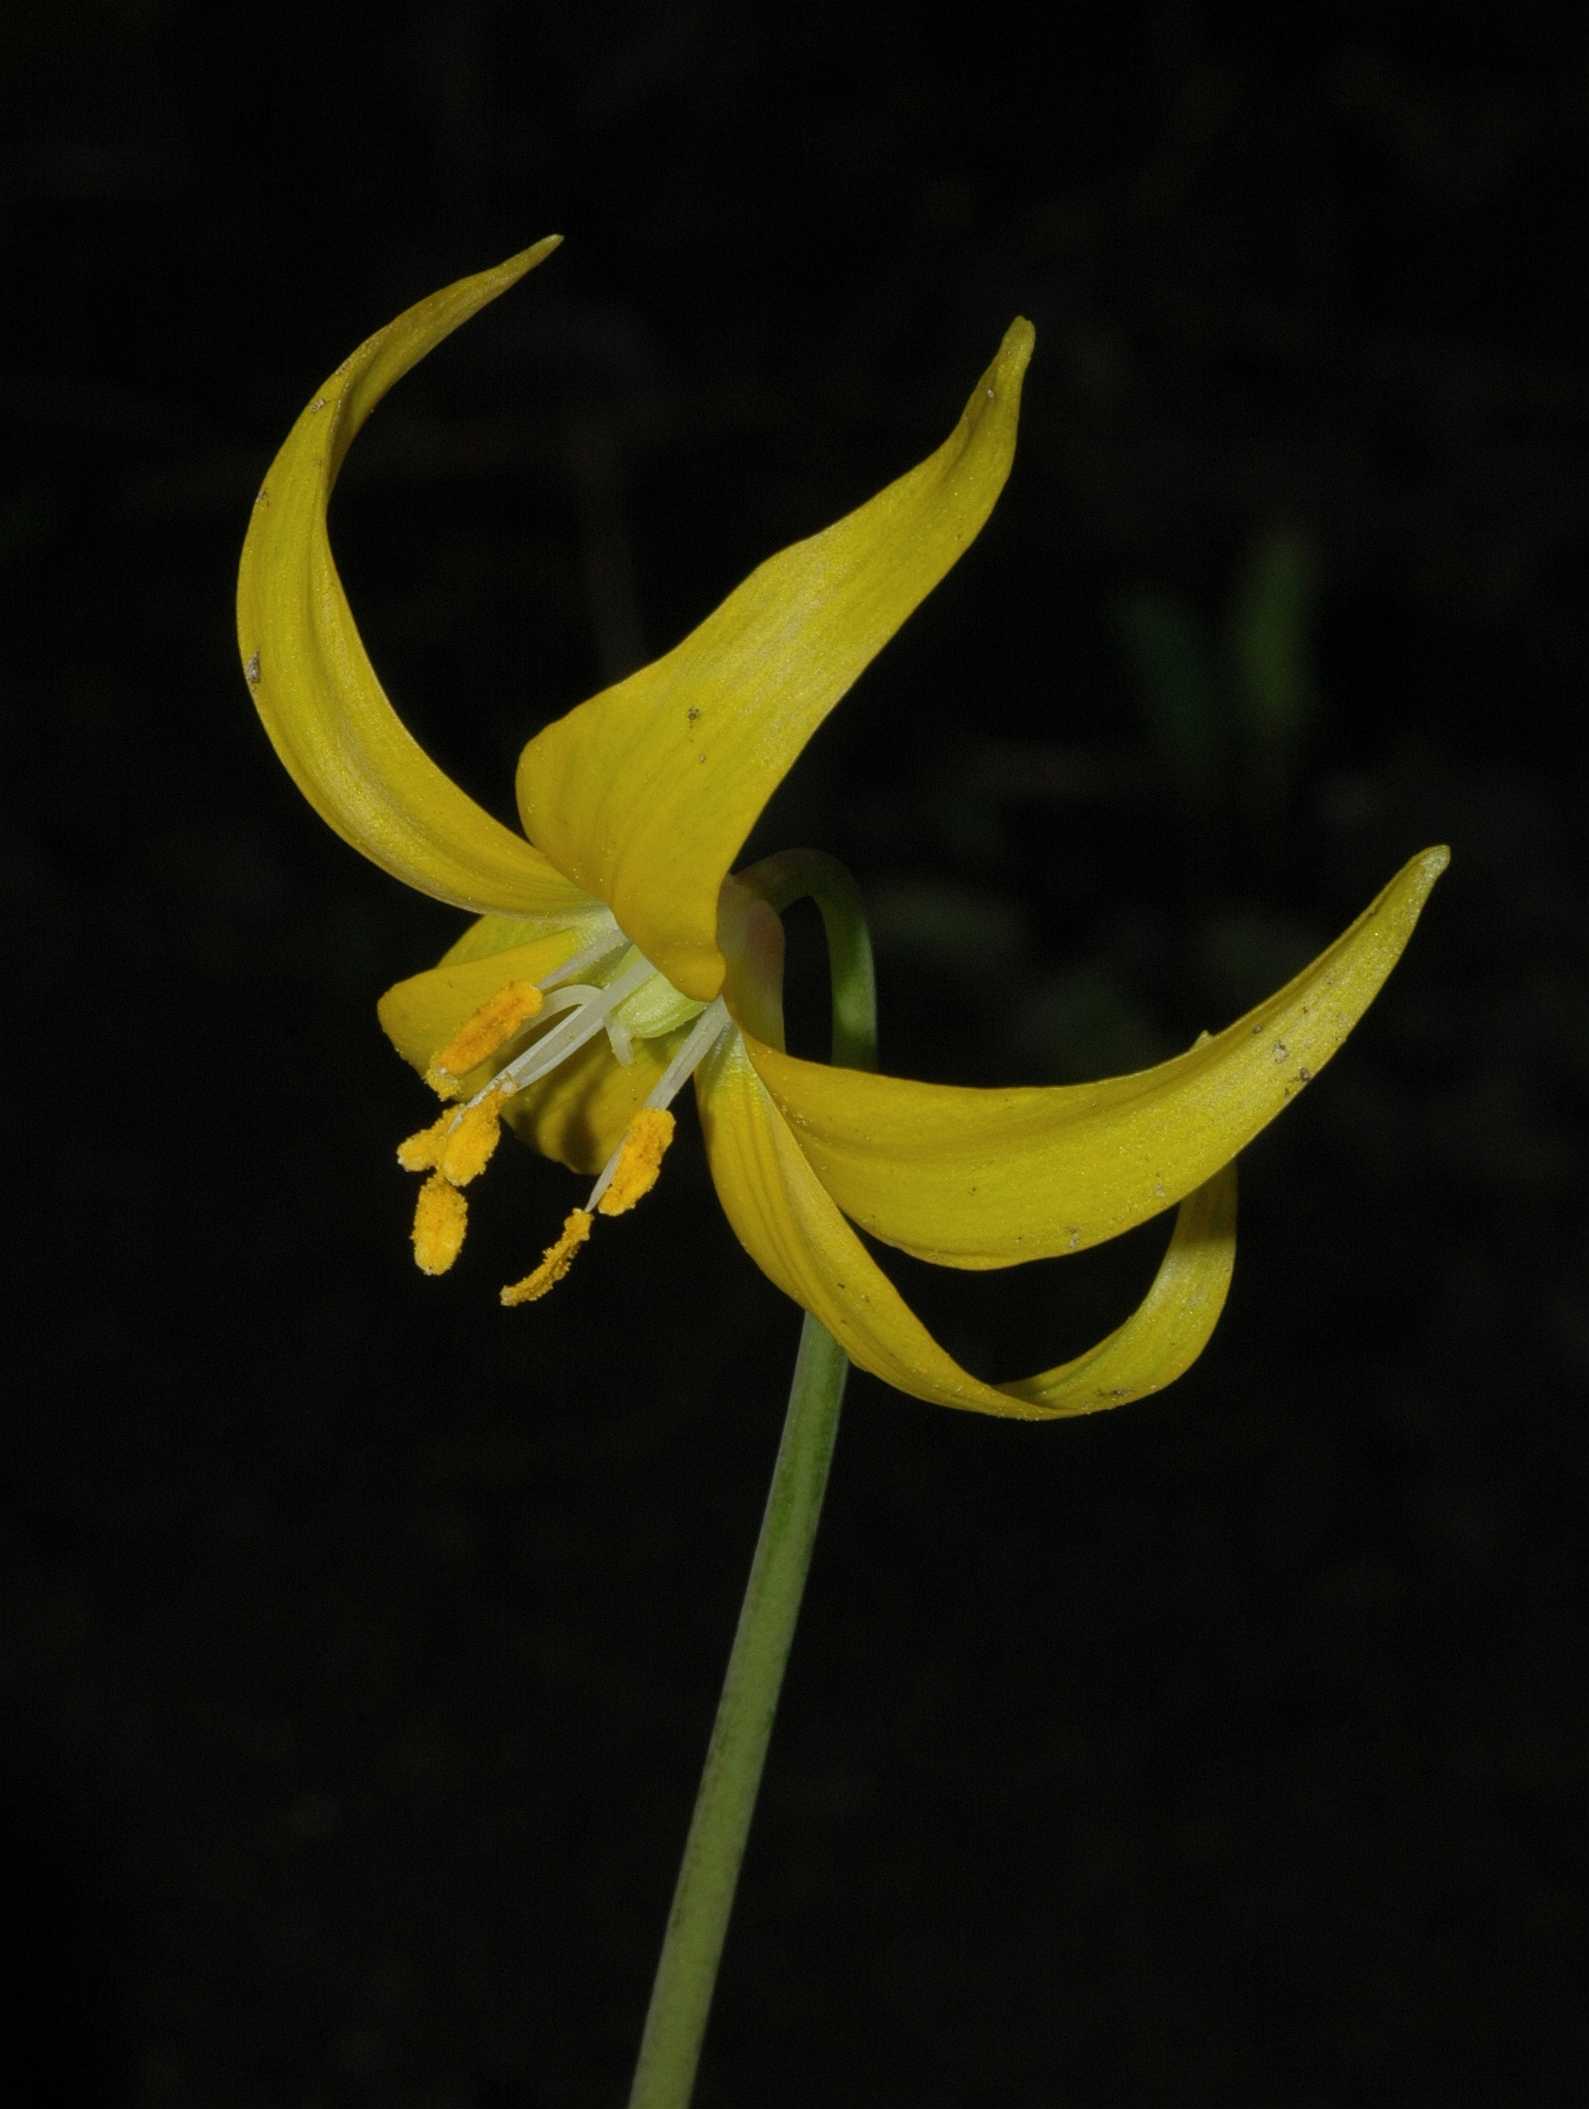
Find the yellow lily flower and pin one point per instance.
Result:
(614, 958)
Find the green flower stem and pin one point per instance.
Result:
(810, 874)
(703, 1896)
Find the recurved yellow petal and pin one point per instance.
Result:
(326, 713)
(579, 1113)
(792, 1229)
(985, 1178)
(644, 795)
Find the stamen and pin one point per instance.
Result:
(459, 1143)
(572, 998)
(422, 1152)
(457, 1146)
(497, 1020)
(440, 1217)
(474, 1134)
(707, 1030)
(543, 1055)
(556, 1262)
(633, 1169)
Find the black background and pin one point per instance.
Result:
(363, 1637)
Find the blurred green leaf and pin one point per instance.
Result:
(1167, 644)
(1270, 643)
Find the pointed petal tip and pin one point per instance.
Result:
(968, 1178)
(1020, 339)
(522, 260)
(615, 794)
(307, 671)
(1418, 875)
(1010, 360)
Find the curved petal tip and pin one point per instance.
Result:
(1020, 340)
(1417, 881)
(644, 795)
(310, 678)
(537, 253)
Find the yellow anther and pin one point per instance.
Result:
(466, 1149)
(422, 1152)
(639, 1160)
(556, 1263)
(459, 1144)
(440, 1216)
(478, 1037)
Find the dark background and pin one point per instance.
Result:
(363, 1638)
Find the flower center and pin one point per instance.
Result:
(607, 987)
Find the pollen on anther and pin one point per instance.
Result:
(482, 1034)
(459, 1145)
(639, 1160)
(422, 1152)
(472, 1136)
(555, 1262)
(441, 1215)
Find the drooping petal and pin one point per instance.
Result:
(790, 1226)
(325, 711)
(578, 1113)
(644, 795)
(985, 1178)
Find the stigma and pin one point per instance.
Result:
(608, 988)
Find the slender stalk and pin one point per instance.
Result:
(703, 1896)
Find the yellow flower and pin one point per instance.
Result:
(616, 958)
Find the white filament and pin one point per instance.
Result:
(702, 1037)
(589, 1009)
